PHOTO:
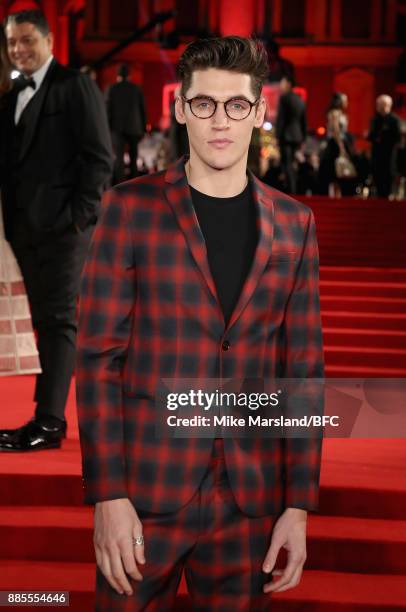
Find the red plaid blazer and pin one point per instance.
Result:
(149, 310)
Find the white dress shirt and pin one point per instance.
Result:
(26, 94)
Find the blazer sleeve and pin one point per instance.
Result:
(94, 149)
(107, 100)
(107, 299)
(303, 358)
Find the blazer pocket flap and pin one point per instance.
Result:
(283, 256)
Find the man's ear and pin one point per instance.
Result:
(180, 111)
(260, 114)
(50, 38)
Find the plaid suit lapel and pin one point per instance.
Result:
(178, 194)
(265, 223)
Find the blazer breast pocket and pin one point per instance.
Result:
(276, 284)
(291, 256)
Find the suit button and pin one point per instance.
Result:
(226, 345)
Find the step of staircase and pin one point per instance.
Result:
(318, 591)
(367, 357)
(363, 320)
(362, 274)
(76, 578)
(346, 371)
(348, 544)
(46, 490)
(356, 304)
(324, 591)
(330, 288)
(52, 533)
(65, 534)
(364, 338)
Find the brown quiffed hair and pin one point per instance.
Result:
(243, 55)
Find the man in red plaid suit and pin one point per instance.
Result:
(200, 271)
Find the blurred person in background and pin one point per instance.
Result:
(337, 173)
(279, 66)
(291, 130)
(57, 158)
(308, 166)
(272, 173)
(384, 135)
(127, 121)
(400, 166)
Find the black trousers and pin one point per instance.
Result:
(288, 150)
(51, 266)
(120, 140)
(382, 173)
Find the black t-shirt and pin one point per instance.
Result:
(230, 231)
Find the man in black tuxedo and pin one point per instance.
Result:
(127, 120)
(57, 159)
(291, 129)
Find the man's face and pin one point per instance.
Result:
(383, 106)
(284, 85)
(28, 49)
(219, 142)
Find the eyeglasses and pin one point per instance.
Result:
(204, 107)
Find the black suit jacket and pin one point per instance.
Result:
(291, 126)
(58, 159)
(384, 133)
(126, 108)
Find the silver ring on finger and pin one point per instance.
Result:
(139, 540)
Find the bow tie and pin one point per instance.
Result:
(23, 82)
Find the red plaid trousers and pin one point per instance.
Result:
(220, 549)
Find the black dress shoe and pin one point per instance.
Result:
(37, 434)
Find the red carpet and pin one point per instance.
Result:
(356, 545)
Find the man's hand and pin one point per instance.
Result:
(116, 524)
(290, 533)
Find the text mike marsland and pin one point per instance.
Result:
(254, 421)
